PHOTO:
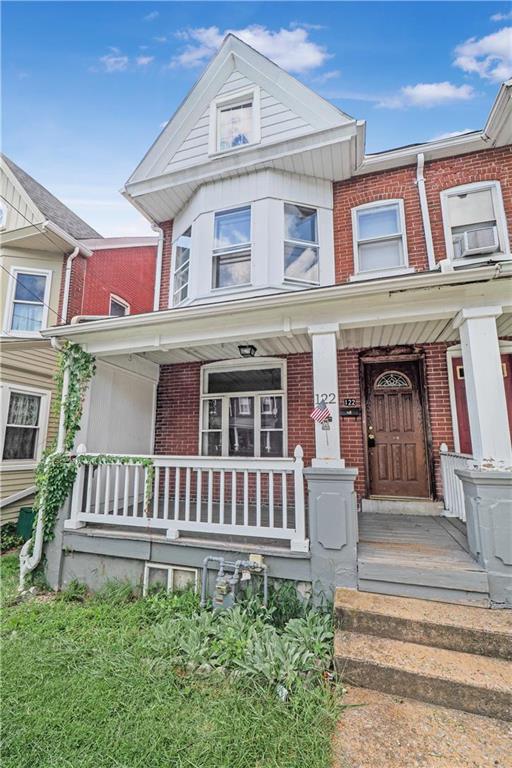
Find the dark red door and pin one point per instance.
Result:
(461, 402)
(397, 449)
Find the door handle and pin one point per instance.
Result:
(371, 438)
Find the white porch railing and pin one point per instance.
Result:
(261, 498)
(452, 486)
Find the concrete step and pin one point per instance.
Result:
(464, 681)
(377, 730)
(454, 627)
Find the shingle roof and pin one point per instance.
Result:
(51, 207)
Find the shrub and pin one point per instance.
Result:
(9, 539)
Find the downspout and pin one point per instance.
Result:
(67, 283)
(158, 266)
(30, 561)
(420, 181)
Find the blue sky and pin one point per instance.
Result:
(88, 85)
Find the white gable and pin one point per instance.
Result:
(278, 122)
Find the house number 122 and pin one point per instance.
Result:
(325, 397)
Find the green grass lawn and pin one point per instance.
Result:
(82, 685)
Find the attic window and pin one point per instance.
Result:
(234, 121)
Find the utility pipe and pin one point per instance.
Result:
(30, 560)
(67, 283)
(420, 181)
(158, 266)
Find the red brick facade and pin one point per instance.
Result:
(165, 282)
(129, 273)
(178, 402)
(76, 289)
(400, 183)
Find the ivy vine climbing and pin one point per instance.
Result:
(81, 367)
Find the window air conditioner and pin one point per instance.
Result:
(481, 240)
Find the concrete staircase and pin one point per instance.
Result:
(451, 655)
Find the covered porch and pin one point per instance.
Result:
(149, 410)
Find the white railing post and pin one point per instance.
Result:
(299, 543)
(452, 486)
(443, 449)
(74, 522)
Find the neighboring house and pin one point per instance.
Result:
(54, 267)
(120, 277)
(297, 272)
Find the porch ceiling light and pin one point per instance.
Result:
(247, 350)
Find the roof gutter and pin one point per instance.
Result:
(422, 193)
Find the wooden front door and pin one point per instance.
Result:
(395, 424)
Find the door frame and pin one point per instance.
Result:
(380, 356)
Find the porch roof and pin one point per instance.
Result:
(416, 308)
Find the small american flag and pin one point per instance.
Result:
(321, 413)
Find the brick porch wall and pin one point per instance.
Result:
(165, 281)
(177, 413)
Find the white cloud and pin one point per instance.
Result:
(501, 16)
(289, 48)
(451, 134)
(326, 76)
(160, 39)
(114, 61)
(143, 61)
(151, 16)
(490, 56)
(428, 95)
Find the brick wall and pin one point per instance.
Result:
(166, 264)
(76, 288)
(400, 183)
(177, 414)
(129, 273)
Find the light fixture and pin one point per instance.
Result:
(247, 350)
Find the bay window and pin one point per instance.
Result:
(379, 236)
(182, 250)
(243, 410)
(300, 244)
(232, 248)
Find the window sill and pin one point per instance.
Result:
(382, 273)
(232, 150)
(468, 261)
(21, 334)
(14, 465)
(224, 290)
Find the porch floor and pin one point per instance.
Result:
(418, 556)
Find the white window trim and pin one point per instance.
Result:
(244, 364)
(316, 244)
(243, 247)
(171, 572)
(8, 465)
(233, 98)
(501, 221)
(402, 268)
(119, 300)
(187, 300)
(3, 223)
(9, 303)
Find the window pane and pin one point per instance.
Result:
(241, 426)
(212, 416)
(301, 262)
(378, 222)
(235, 125)
(29, 287)
(20, 443)
(300, 223)
(383, 255)
(117, 309)
(212, 444)
(257, 380)
(183, 245)
(271, 412)
(232, 270)
(271, 443)
(181, 285)
(471, 208)
(27, 317)
(23, 409)
(232, 228)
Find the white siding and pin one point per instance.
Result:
(278, 123)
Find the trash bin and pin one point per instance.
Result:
(25, 523)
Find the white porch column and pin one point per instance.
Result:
(325, 387)
(485, 391)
